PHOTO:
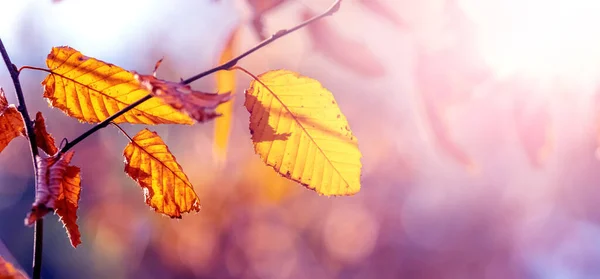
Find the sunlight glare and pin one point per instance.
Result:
(540, 38)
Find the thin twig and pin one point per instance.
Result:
(334, 8)
(39, 224)
(122, 131)
(227, 65)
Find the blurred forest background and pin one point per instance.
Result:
(477, 120)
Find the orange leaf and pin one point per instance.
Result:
(8, 271)
(198, 105)
(225, 84)
(11, 122)
(167, 189)
(91, 90)
(50, 176)
(44, 140)
(345, 52)
(67, 203)
(298, 129)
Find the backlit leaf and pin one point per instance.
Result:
(8, 271)
(167, 189)
(50, 174)
(67, 203)
(225, 84)
(11, 122)
(45, 141)
(198, 105)
(344, 51)
(91, 90)
(298, 129)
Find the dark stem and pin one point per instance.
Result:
(39, 225)
(103, 124)
(227, 65)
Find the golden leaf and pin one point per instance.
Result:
(298, 129)
(91, 90)
(225, 84)
(67, 203)
(44, 140)
(167, 189)
(198, 105)
(8, 271)
(11, 122)
(50, 173)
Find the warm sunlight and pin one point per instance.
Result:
(539, 38)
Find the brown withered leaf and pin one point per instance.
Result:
(11, 122)
(91, 90)
(50, 174)
(167, 189)
(8, 271)
(67, 203)
(299, 130)
(343, 51)
(44, 140)
(198, 105)
(67, 200)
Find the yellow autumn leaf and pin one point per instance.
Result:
(167, 189)
(298, 129)
(225, 83)
(91, 90)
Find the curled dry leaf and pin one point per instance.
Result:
(67, 200)
(298, 129)
(225, 84)
(11, 122)
(50, 172)
(8, 271)
(167, 189)
(347, 53)
(198, 105)
(45, 141)
(92, 90)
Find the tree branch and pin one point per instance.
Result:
(39, 225)
(334, 8)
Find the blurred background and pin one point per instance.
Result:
(477, 121)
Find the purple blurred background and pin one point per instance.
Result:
(477, 120)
